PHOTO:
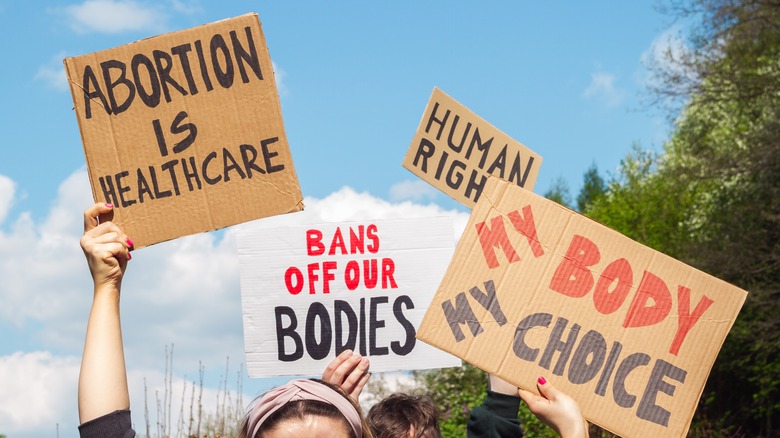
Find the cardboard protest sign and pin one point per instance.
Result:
(455, 151)
(183, 132)
(310, 292)
(535, 289)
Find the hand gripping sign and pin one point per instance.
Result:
(537, 289)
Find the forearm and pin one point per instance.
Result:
(103, 379)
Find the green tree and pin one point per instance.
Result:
(593, 187)
(559, 192)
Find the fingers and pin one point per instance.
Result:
(348, 370)
(92, 213)
(546, 389)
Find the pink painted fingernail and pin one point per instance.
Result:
(109, 205)
(129, 256)
(130, 243)
(541, 380)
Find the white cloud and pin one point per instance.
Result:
(279, 75)
(53, 73)
(668, 46)
(602, 86)
(115, 16)
(184, 292)
(416, 190)
(7, 192)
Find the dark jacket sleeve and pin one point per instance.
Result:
(114, 425)
(495, 418)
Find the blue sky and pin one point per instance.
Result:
(564, 78)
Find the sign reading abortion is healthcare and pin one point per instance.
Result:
(310, 292)
(183, 132)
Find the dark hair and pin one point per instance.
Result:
(300, 409)
(397, 414)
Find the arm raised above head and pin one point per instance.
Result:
(103, 379)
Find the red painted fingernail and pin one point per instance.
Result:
(541, 380)
(129, 256)
(130, 243)
(109, 205)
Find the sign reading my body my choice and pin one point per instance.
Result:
(310, 292)
(183, 132)
(535, 289)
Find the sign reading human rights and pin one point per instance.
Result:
(455, 151)
(311, 292)
(183, 132)
(535, 289)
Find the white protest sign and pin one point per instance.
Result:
(311, 291)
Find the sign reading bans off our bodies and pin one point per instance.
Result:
(535, 289)
(311, 292)
(455, 151)
(183, 132)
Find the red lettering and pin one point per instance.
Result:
(685, 319)
(370, 274)
(314, 246)
(572, 277)
(371, 231)
(495, 236)
(619, 272)
(642, 312)
(352, 275)
(338, 242)
(526, 226)
(327, 275)
(293, 279)
(312, 276)
(356, 241)
(388, 268)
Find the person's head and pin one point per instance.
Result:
(310, 408)
(404, 415)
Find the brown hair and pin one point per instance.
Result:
(397, 414)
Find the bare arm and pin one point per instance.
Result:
(103, 379)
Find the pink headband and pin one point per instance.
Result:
(302, 389)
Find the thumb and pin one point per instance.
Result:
(546, 389)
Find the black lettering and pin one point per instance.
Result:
(592, 345)
(170, 166)
(204, 72)
(164, 70)
(362, 326)
(224, 76)
(152, 98)
(242, 55)
(514, 173)
(343, 308)
(408, 346)
(283, 332)
(211, 181)
(648, 409)
(432, 119)
(123, 189)
(107, 185)
(249, 163)
(521, 349)
(267, 155)
(424, 150)
(107, 66)
(556, 344)
(178, 128)
(619, 393)
(158, 133)
(442, 163)
(454, 183)
(461, 314)
(181, 51)
(375, 324)
(227, 156)
(474, 186)
(143, 186)
(614, 353)
(191, 175)
(318, 350)
(458, 147)
(499, 163)
(155, 185)
(489, 301)
(476, 140)
(90, 82)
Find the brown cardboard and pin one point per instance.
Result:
(533, 275)
(455, 151)
(183, 132)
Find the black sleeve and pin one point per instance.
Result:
(114, 425)
(495, 418)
